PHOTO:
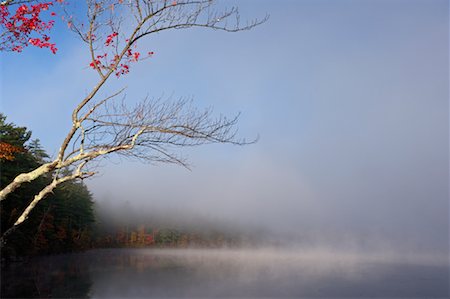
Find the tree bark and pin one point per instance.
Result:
(27, 177)
(49, 188)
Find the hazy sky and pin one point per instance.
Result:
(350, 99)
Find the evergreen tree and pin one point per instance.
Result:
(35, 148)
(61, 222)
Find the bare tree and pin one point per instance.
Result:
(154, 128)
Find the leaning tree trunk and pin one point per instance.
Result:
(27, 177)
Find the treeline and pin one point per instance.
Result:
(62, 222)
(145, 236)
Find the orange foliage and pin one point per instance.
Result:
(7, 151)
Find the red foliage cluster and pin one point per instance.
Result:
(102, 62)
(110, 38)
(25, 27)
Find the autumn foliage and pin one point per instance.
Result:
(7, 151)
(23, 25)
(112, 61)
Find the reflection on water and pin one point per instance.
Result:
(50, 277)
(143, 273)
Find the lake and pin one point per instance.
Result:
(235, 273)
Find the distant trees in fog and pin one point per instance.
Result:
(145, 236)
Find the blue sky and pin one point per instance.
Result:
(350, 99)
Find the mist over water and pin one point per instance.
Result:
(233, 273)
(350, 99)
(345, 195)
(250, 226)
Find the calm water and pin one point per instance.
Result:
(144, 273)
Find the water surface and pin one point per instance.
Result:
(195, 273)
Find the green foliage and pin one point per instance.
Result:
(61, 222)
(12, 134)
(35, 148)
(23, 160)
(167, 237)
